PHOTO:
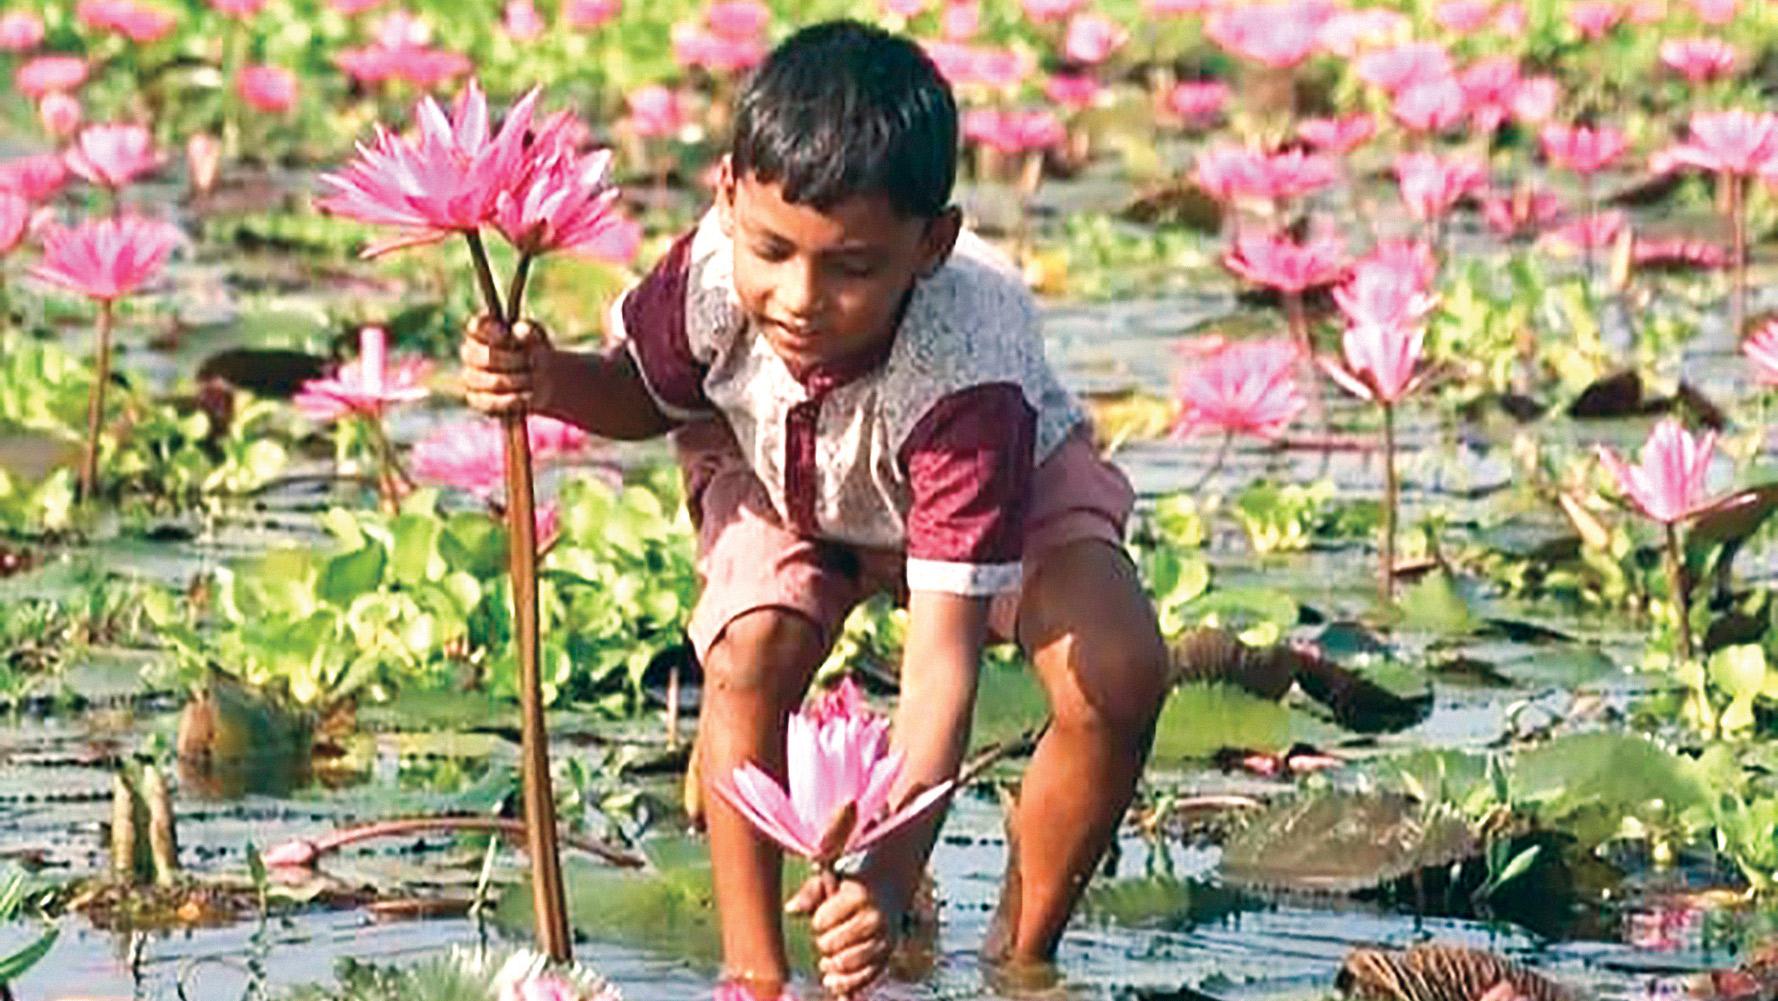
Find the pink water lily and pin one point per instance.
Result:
(368, 385)
(45, 74)
(1280, 35)
(20, 31)
(15, 221)
(1736, 142)
(656, 112)
(1667, 484)
(842, 772)
(1582, 149)
(1198, 102)
(585, 15)
(1014, 131)
(1431, 106)
(521, 22)
(445, 181)
(1594, 232)
(1700, 60)
(60, 114)
(1074, 91)
(1431, 186)
(136, 21)
(1051, 11)
(1240, 387)
(1338, 136)
(1526, 209)
(105, 259)
(1761, 351)
(113, 155)
(38, 177)
(271, 89)
(1396, 69)
(1091, 38)
(1378, 363)
(1490, 90)
(1464, 16)
(1593, 18)
(468, 455)
(1279, 262)
(566, 203)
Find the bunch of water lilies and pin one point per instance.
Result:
(530, 182)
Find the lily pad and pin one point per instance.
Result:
(1343, 843)
(1202, 719)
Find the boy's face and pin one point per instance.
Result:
(825, 285)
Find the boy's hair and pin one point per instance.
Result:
(842, 109)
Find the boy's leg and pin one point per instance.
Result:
(770, 605)
(754, 676)
(1091, 633)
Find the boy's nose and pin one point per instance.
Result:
(799, 292)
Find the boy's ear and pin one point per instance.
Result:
(725, 195)
(939, 239)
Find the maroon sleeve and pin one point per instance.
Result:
(969, 463)
(651, 319)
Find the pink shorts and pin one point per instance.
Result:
(749, 559)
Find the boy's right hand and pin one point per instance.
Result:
(503, 373)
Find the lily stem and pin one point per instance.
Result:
(95, 403)
(1681, 594)
(548, 901)
(1738, 223)
(1391, 498)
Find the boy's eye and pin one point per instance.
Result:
(855, 268)
(771, 251)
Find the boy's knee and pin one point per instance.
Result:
(1124, 689)
(769, 651)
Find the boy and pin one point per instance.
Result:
(855, 408)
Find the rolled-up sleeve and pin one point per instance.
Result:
(651, 321)
(969, 468)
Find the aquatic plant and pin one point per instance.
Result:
(104, 260)
(364, 389)
(542, 195)
(842, 774)
(1736, 145)
(1667, 485)
(1385, 306)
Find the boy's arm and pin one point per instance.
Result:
(601, 391)
(938, 680)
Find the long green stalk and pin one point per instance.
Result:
(95, 403)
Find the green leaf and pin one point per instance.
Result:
(1236, 609)
(1435, 605)
(15, 966)
(1520, 864)
(1202, 719)
(1739, 670)
(345, 577)
(416, 543)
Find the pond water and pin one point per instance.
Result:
(1186, 938)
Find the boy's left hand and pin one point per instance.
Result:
(854, 928)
